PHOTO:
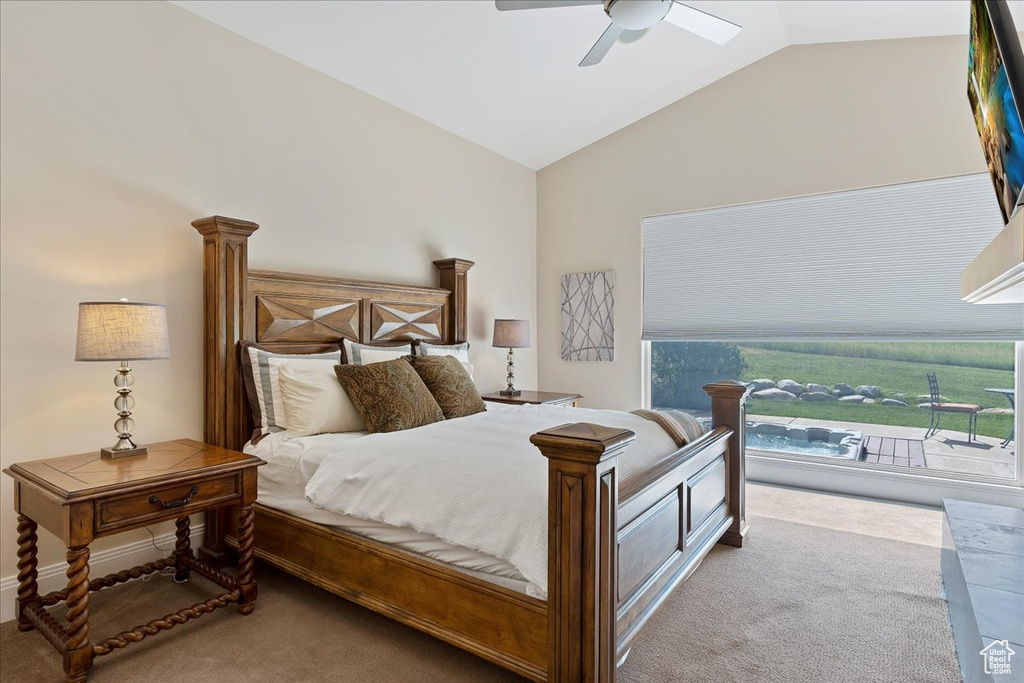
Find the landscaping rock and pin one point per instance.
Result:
(760, 384)
(869, 390)
(816, 396)
(893, 402)
(996, 411)
(868, 400)
(927, 398)
(924, 405)
(843, 389)
(818, 388)
(773, 394)
(854, 398)
(792, 387)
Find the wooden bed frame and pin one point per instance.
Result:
(616, 549)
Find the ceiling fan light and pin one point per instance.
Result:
(634, 15)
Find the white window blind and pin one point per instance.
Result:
(882, 263)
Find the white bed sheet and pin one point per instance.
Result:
(293, 460)
(475, 482)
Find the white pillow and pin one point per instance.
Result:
(315, 402)
(264, 390)
(460, 351)
(366, 354)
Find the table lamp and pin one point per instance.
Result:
(511, 334)
(122, 331)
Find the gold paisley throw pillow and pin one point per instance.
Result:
(450, 384)
(389, 395)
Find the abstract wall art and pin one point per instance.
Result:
(588, 307)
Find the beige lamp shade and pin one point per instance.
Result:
(511, 334)
(122, 330)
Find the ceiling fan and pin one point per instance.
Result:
(631, 19)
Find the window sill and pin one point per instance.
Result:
(878, 481)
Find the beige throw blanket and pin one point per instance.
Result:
(682, 427)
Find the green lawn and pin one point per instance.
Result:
(957, 383)
(992, 355)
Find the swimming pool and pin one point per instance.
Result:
(844, 444)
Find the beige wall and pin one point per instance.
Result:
(122, 122)
(116, 136)
(807, 119)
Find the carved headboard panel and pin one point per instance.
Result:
(297, 319)
(296, 313)
(292, 308)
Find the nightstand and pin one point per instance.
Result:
(551, 398)
(83, 497)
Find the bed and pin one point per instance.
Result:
(291, 462)
(616, 546)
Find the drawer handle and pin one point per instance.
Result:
(178, 502)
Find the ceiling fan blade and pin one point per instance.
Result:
(603, 44)
(630, 36)
(705, 25)
(506, 5)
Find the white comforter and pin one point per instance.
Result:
(475, 481)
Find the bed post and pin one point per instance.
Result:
(583, 492)
(453, 278)
(727, 410)
(225, 275)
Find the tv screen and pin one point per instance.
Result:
(994, 45)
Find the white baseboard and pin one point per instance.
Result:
(54, 577)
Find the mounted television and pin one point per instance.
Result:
(995, 87)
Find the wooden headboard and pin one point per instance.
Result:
(302, 314)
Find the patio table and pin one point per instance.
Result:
(1010, 395)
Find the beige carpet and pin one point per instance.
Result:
(829, 588)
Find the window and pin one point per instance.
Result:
(841, 304)
(863, 403)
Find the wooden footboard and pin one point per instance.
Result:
(498, 624)
(617, 550)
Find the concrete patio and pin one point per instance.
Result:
(946, 450)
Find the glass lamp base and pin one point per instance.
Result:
(113, 454)
(124, 424)
(510, 380)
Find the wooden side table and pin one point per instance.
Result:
(537, 397)
(83, 497)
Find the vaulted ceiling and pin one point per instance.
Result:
(509, 81)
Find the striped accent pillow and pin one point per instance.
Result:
(367, 354)
(260, 370)
(460, 351)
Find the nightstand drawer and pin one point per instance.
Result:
(177, 500)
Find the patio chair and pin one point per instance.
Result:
(938, 408)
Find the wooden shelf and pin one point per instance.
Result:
(996, 276)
